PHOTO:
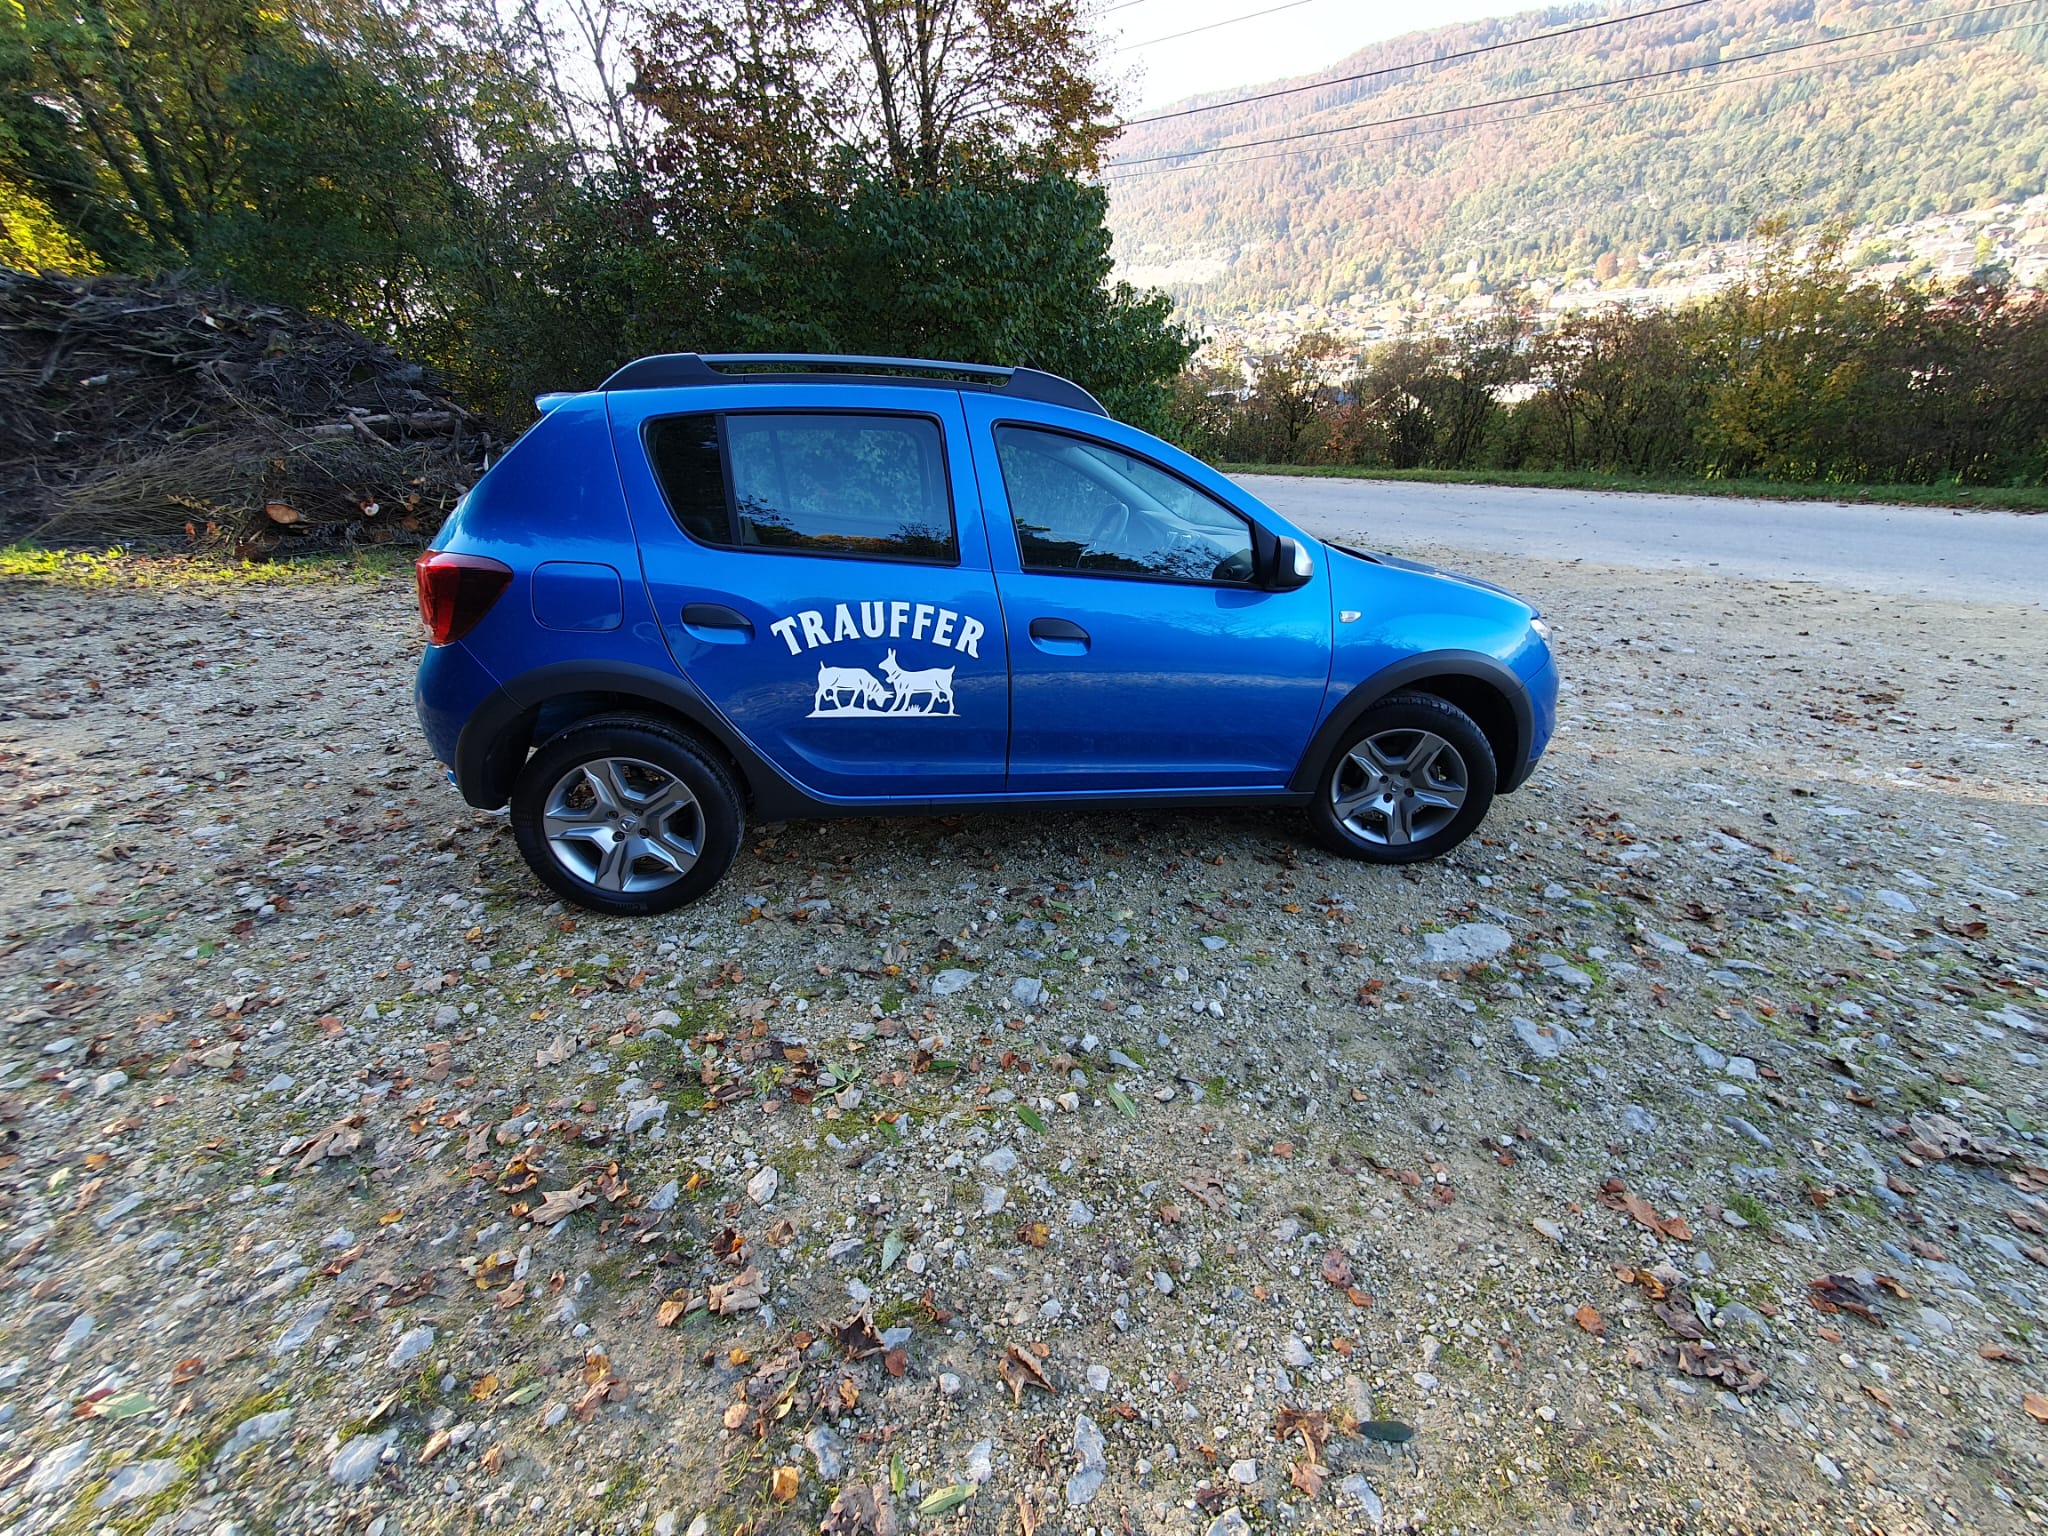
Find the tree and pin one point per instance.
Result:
(762, 98)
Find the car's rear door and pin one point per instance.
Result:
(817, 561)
(1142, 654)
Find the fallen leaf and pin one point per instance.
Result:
(1307, 1476)
(1732, 1369)
(1019, 1369)
(1589, 1318)
(743, 1293)
(670, 1312)
(856, 1335)
(1337, 1269)
(860, 1509)
(1845, 1293)
(558, 1203)
(187, 1370)
(493, 1460)
(2036, 1407)
(782, 1484)
(951, 1497)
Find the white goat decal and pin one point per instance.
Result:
(935, 686)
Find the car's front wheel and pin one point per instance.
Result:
(626, 815)
(1409, 781)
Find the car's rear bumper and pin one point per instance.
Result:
(450, 685)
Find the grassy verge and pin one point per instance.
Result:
(1947, 494)
(209, 568)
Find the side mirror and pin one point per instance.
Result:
(1292, 566)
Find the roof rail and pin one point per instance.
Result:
(684, 370)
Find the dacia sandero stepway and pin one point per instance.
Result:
(807, 586)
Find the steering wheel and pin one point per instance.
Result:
(1236, 568)
(1112, 528)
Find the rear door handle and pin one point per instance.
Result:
(1059, 637)
(717, 624)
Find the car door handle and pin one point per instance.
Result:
(716, 623)
(1059, 637)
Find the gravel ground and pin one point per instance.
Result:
(1666, 1159)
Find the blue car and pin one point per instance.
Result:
(809, 586)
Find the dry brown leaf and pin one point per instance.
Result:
(1337, 1269)
(736, 1414)
(2036, 1406)
(1307, 1476)
(1020, 1369)
(1589, 1318)
(1733, 1370)
(743, 1293)
(558, 1203)
(670, 1312)
(782, 1484)
(493, 1460)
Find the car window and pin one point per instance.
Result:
(1081, 505)
(839, 484)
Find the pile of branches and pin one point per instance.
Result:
(144, 410)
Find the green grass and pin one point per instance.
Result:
(2032, 498)
(119, 567)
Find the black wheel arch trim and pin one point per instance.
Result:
(498, 734)
(1476, 665)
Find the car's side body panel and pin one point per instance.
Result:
(1132, 682)
(857, 678)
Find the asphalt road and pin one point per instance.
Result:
(1920, 551)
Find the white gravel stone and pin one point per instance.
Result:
(1466, 944)
(140, 1480)
(762, 1186)
(411, 1344)
(356, 1463)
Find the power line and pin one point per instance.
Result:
(1228, 21)
(1568, 90)
(1395, 69)
(1581, 106)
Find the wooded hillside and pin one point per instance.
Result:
(1944, 114)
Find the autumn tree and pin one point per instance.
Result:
(763, 98)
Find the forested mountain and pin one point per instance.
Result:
(1945, 112)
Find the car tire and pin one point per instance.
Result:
(1409, 781)
(626, 815)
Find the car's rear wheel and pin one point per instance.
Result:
(1409, 781)
(626, 815)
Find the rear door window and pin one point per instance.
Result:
(865, 485)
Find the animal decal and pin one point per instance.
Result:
(935, 684)
(835, 684)
(856, 691)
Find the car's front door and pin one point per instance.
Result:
(822, 574)
(1144, 655)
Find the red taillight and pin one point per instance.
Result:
(456, 591)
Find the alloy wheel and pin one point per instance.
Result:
(623, 825)
(1398, 787)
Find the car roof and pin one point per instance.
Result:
(689, 370)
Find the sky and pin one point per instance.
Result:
(1294, 39)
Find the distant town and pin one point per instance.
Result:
(2008, 238)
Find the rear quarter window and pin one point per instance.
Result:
(871, 486)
